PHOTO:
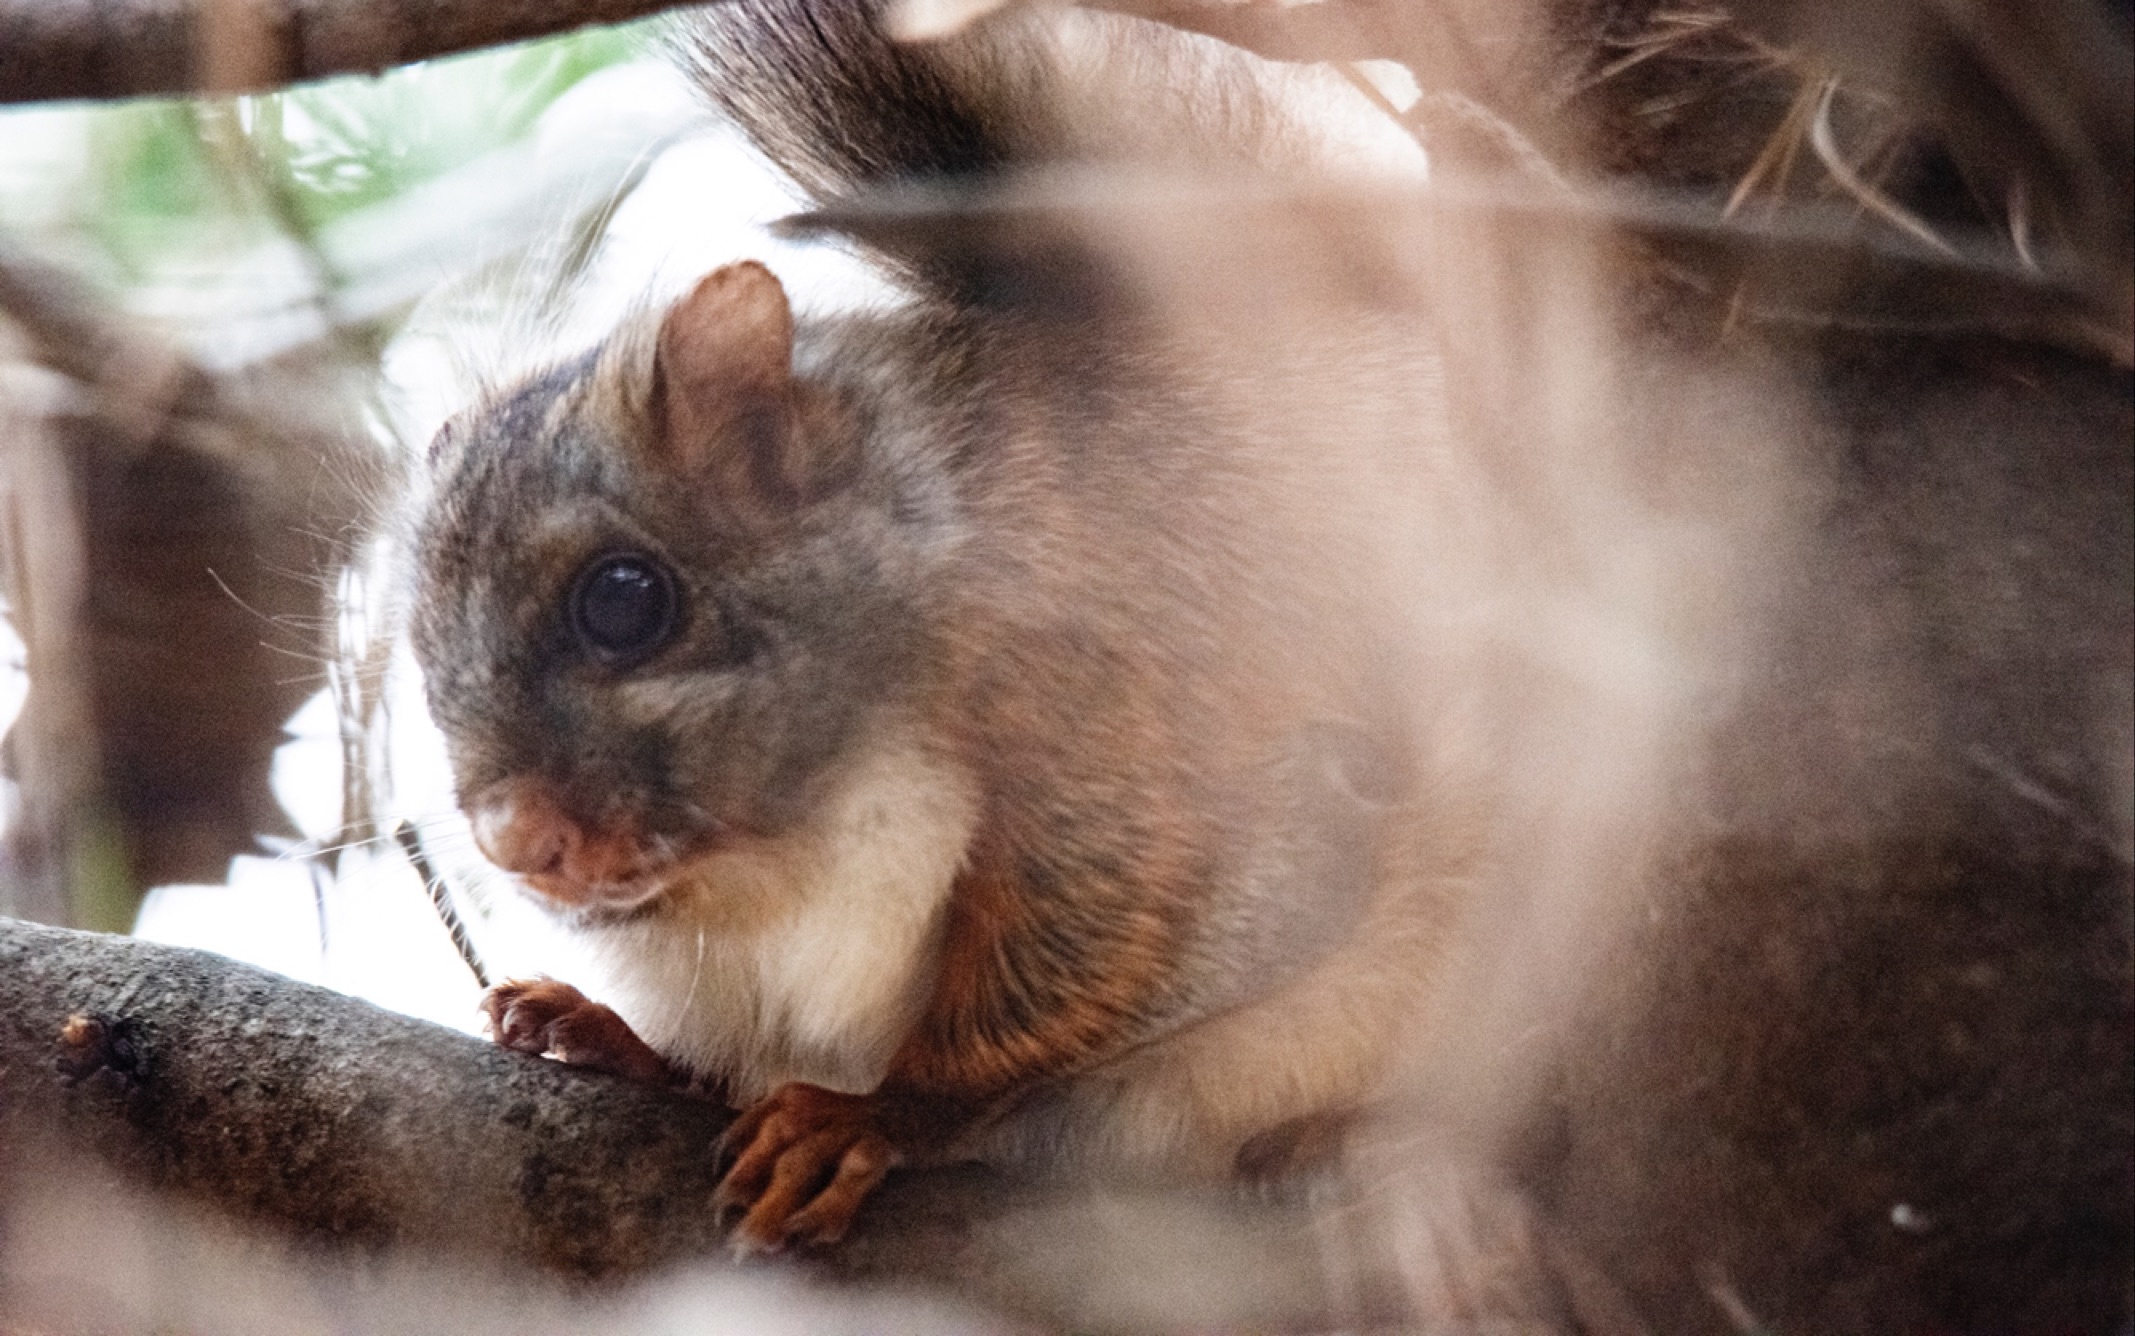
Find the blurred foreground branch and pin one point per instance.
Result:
(138, 48)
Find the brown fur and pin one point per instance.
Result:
(1670, 761)
(1114, 623)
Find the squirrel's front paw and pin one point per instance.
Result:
(544, 1016)
(805, 1158)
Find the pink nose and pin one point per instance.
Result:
(521, 827)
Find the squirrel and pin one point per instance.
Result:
(963, 730)
(1085, 718)
(1057, 724)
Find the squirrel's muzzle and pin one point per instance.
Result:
(522, 826)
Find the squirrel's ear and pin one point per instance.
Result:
(723, 395)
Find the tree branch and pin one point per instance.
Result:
(353, 1131)
(298, 1107)
(53, 49)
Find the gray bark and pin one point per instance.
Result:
(301, 1108)
(353, 1132)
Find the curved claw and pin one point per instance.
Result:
(804, 1159)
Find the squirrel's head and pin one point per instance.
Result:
(660, 595)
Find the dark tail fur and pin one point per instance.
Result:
(839, 107)
(906, 147)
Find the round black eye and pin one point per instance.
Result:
(623, 607)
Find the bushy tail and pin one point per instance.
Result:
(906, 146)
(836, 104)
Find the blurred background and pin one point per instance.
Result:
(224, 325)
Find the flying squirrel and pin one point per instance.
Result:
(957, 730)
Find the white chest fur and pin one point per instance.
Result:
(806, 958)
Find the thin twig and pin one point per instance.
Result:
(440, 899)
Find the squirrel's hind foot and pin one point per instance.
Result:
(805, 1158)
